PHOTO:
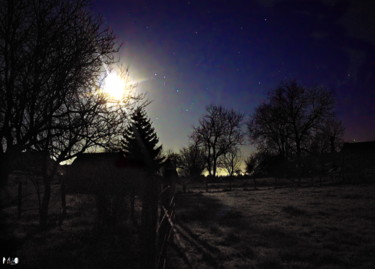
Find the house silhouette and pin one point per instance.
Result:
(358, 161)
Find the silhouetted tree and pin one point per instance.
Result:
(51, 56)
(231, 160)
(173, 157)
(252, 163)
(191, 161)
(268, 128)
(140, 141)
(218, 132)
(328, 137)
(51, 52)
(291, 119)
(140, 144)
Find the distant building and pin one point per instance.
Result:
(93, 171)
(31, 164)
(108, 171)
(358, 161)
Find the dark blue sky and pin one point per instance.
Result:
(194, 53)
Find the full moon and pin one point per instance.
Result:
(114, 86)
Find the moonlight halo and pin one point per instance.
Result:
(114, 86)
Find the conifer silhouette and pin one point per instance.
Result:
(140, 141)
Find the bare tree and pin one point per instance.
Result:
(268, 128)
(328, 137)
(231, 161)
(86, 124)
(52, 58)
(218, 132)
(51, 51)
(190, 161)
(291, 118)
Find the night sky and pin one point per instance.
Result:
(194, 53)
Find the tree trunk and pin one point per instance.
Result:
(132, 204)
(214, 169)
(63, 202)
(298, 146)
(43, 216)
(4, 171)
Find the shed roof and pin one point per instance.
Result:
(116, 158)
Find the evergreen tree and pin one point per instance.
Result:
(140, 141)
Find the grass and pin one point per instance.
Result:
(307, 227)
(311, 227)
(76, 244)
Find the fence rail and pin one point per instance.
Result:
(158, 217)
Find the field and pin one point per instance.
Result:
(77, 243)
(311, 227)
(306, 227)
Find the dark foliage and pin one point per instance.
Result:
(140, 141)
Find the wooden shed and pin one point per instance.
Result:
(110, 172)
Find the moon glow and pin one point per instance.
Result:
(114, 86)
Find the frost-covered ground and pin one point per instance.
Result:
(74, 244)
(306, 227)
(311, 227)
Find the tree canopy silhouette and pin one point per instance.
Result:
(140, 141)
(218, 132)
(51, 51)
(191, 161)
(52, 58)
(293, 119)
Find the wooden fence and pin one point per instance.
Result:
(165, 226)
(158, 216)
